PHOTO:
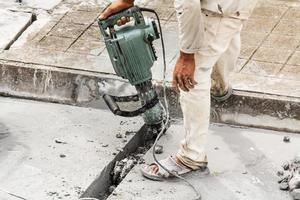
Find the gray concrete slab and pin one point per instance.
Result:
(243, 164)
(34, 4)
(12, 24)
(41, 4)
(52, 151)
(41, 56)
(42, 18)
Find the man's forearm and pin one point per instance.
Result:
(186, 56)
(129, 1)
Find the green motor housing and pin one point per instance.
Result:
(131, 51)
(130, 47)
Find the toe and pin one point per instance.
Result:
(154, 169)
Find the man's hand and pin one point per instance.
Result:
(116, 7)
(183, 75)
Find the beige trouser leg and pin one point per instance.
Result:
(221, 41)
(225, 66)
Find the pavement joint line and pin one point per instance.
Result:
(263, 40)
(288, 59)
(101, 52)
(79, 35)
(56, 23)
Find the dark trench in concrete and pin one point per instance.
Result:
(100, 187)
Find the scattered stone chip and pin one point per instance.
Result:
(119, 135)
(283, 186)
(158, 149)
(286, 139)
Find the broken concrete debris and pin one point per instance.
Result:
(111, 188)
(129, 132)
(62, 155)
(280, 173)
(290, 177)
(119, 135)
(122, 168)
(158, 149)
(286, 139)
(60, 142)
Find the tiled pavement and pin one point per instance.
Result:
(269, 61)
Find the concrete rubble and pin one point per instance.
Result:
(290, 177)
(124, 166)
(159, 149)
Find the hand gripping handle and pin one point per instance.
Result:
(134, 12)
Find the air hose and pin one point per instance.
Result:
(166, 110)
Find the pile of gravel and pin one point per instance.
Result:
(290, 177)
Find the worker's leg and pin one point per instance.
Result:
(225, 66)
(219, 33)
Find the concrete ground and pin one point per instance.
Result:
(51, 151)
(243, 164)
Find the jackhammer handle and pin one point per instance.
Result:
(112, 105)
(134, 12)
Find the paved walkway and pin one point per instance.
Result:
(269, 61)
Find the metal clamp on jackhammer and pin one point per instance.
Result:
(111, 102)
